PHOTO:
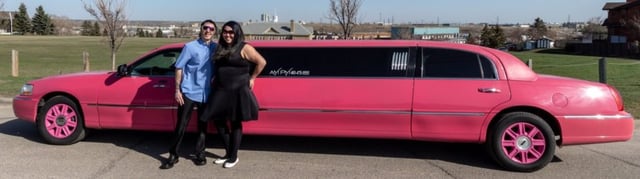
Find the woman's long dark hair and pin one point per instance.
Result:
(224, 49)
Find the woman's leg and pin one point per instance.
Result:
(236, 138)
(223, 132)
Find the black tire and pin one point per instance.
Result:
(60, 121)
(522, 142)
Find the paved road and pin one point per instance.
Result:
(129, 154)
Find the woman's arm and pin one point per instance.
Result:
(251, 54)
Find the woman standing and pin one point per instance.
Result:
(233, 101)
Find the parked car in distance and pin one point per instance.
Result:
(390, 89)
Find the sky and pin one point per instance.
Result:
(395, 11)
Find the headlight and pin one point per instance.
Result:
(27, 90)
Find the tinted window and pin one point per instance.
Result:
(448, 63)
(159, 64)
(340, 62)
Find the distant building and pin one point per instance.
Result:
(277, 31)
(436, 33)
(6, 17)
(268, 18)
(544, 42)
(370, 35)
(620, 17)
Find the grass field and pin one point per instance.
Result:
(45, 56)
(621, 73)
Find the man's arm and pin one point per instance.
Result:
(178, 83)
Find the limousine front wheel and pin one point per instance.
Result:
(60, 122)
(521, 141)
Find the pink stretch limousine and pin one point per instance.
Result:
(412, 90)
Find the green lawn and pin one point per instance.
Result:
(621, 73)
(50, 55)
(45, 56)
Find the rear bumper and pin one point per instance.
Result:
(25, 108)
(596, 129)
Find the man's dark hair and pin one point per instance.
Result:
(209, 21)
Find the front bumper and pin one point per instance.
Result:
(25, 108)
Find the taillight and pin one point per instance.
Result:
(617, 97)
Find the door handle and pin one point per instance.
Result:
(160, 84)
(489, 90)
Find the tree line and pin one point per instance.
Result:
(40, 24)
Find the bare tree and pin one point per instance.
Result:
(594, 26)
(631, 22)
(111, 14)
(2, 20)
(538, 30)
(345, 12)
(64, 25)
(516, 35)
(404, 32)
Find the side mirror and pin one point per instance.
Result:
(122, 70)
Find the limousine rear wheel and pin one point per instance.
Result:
(521, 141)
(60, 122)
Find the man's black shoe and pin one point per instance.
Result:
(173, 159)
(200, 160)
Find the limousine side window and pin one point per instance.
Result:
(335, 62)
(159, 64)
(449, 63)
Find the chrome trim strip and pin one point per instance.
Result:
(374, 112)
(133, 106)
(399, 60)
(405, 58)
(23, 98)
(334, 111)
(394, 61)
(450, 113)
(598, 117)
(163, 107)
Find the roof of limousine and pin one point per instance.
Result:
(346, 43)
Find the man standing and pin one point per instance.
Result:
(193, 80)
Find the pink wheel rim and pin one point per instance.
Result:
(523, 143)
(61, 121)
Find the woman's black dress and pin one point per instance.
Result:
(231, 98)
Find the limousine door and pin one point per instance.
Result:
(454, 92)
(338, 92)
(144, 99)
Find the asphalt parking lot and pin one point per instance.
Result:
(135, 154)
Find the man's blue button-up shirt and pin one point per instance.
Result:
(195, 62)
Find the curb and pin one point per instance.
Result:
(4, 101)
(6, 106)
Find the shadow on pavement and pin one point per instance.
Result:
(20, 128)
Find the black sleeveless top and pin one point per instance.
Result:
(231, 98)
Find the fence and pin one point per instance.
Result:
(15, 62)
(602, 48)
(602, 67)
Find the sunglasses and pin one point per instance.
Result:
(208, 28)
(227, 31)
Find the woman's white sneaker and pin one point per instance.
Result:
(229, 164)
(220, 161)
